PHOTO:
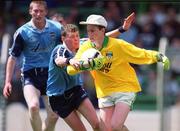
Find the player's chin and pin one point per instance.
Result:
(39, 20)
(76, 44)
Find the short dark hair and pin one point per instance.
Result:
(100, 27)
(69, 28)
(41, 2)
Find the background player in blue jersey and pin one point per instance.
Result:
(35, 40)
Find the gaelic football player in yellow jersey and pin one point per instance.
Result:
(116, 82)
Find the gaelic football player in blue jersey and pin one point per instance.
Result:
(35, 40)
(65, 92)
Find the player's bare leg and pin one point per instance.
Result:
(87, 110)
(111, 116)
(32, 95)
(74, 121)
(106, 115)
(119, 116)
(50, 121)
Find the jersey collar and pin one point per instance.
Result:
(32, 24)
(105, 43)
(67, 48)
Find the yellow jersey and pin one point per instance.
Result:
(117, 75)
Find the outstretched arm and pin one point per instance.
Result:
(9, 73)
(126, 25)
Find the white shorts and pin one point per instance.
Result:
(114, 98)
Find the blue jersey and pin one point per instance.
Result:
(36, 45)
(58, 79)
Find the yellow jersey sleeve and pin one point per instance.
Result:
(137, 55)
(72, 71)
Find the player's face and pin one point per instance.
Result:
(94, 33)
(38, 12)
(72, 40)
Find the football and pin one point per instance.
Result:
(87, 57)
(90, 54)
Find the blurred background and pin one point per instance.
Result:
(154, 20)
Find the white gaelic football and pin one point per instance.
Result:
(91, 53)
(87, 58)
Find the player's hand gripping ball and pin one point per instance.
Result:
(91, 59)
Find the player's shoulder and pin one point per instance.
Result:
(86, 43)
(22, 30)
(117, 41)
(111, 39)
(59, 47)
(23, 27)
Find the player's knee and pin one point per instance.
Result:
(34, 108)
(53, 116)
(96, 125)
(116, 127)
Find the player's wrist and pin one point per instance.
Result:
(159, 57)
(98, 62)
(121, 29)
(164, 59)
(68, 60)
(7, 82)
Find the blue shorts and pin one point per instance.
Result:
(36, 77)
(64, 104)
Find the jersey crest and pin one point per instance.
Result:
(109, 55)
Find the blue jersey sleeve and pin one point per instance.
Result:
(62, 52)
(18, 45)
(58, 52)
